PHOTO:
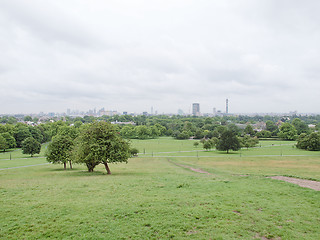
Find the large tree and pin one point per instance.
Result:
(287, 131)
(60, 150)
(31, 146)
(228, 141)
(309, 142)
(100, 142)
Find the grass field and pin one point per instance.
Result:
(152, 198)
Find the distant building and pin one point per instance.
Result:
(196, 109)
(227, 106)
(123, 123)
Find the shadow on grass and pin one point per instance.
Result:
(84, 172)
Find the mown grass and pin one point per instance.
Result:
(151, 198)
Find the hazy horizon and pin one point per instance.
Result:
(133, 55)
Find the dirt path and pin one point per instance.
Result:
(198, 170)
(301, 182)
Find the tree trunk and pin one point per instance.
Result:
(107, 168)
(90, 167)
(70, 164)
(65, 165)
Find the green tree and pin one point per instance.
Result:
(60, 150)
(70, 131)
(98, 143)
(272, 127)
(3, 143)
(199, 134)
(21, 132)
(309, 142)
(287, 131)
(9, 139)
(128, 131)
(161, 129)
(134, 152)
(264, 134)
(27, 119)
(78, 123)
(248, 141)
(301, 126)
(143, 132)
(36, 133)
(249, 130)
(228, 141)
(31, 146)
(196, 144)
(208, 144)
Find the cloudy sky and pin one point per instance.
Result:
(263, 55)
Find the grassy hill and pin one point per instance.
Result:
(152, 198)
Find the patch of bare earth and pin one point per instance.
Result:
(301, 182)
(198, 170)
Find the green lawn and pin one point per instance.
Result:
(151, 198)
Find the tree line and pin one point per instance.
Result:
(14, 133)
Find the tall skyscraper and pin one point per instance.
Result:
(196, 109)
(227, 106)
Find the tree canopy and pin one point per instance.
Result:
(100, 142)
(60, 150)
(31, 146)
(309, 142)
(228, 140)
(287, 131)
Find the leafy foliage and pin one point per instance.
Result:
(9, 139)
(60, 150)
(99, 143)
(3, 143)
(228, 141)
(248, 141)
(287, 131)
(309, 142)
(31, 146)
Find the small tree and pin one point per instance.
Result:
(31, 146)
(207, 145)
(100, 143)
(60, 149)
(134, 152)
(249, 130)
(228, 141)
(196, 144)
(248, 141)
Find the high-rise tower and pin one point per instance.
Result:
(196, 109)
(227, 106)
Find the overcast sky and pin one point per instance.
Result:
(124, 55)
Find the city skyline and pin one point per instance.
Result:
(130, 56)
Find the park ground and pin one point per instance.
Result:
(157, 195)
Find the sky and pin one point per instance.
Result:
(130, 56)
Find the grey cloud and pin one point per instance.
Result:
(167, 54)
